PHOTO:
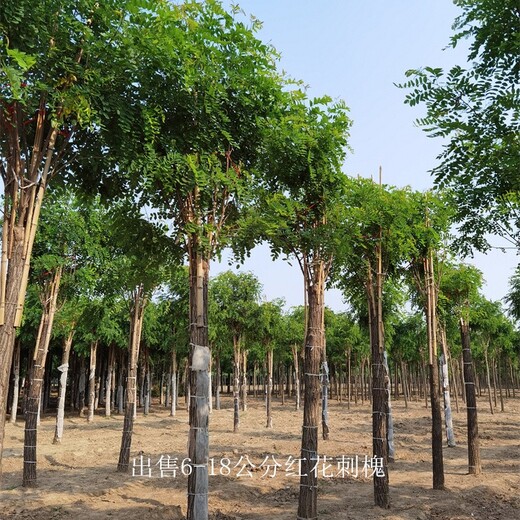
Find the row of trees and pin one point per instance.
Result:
(241, 324)
(97, 307)
(177, 111)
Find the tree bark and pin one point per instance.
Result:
(218, 377)
(236, 383)
(405, 382)
(349, 375)
(92, 380)
(500, 384)
(136, 322)
(389, 416)
(325, 400)
(24, 187)
(146, 385)
(296, 362)
(8, 329)
(64, 369)
(314, 344)
(379, 394)
(173, 402)
(200, 356)
(268, 396)
(431, 330)
(244, 380)
(448, 420)
(16, 383)
(444, 360)
(488, 378)
(50, 297)
(474, 465)
(109, 381)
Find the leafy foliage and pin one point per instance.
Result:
(478, 111)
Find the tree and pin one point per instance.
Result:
(267, 330)
(493, 331)
(64, 250)
(292, 336)
(175, 326)
(513, 295)
(432, 221)
(236, 307)
(477, 110)
(57, 77)
(206, 89)
(459, 288)
(376, 245)
(298, 212)
(136, 276)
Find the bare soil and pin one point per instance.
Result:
(78, 479)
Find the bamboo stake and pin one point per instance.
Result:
(34, 209)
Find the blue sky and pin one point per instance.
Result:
(356, 50)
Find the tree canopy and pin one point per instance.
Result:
(477, 111)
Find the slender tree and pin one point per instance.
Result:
(267, 330)
(459, 285)
(375, 249)
(298, 212)
(54, 65)
(236, 303)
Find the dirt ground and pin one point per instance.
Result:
(77, 479)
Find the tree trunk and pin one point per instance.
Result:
(244, 380)
(269, 392)
(325, 400)
(12, 290)
(64, 369)
(109, 380)
(173, 402)
(146, 385)
(236, 383)
(81, 387)
(362, 381)
(389, 416)
(314, 344)
(16, 383)
(379, 394)
(450, 436)
(218, 377)
(339, 384)
(92, 381)
(463, 377)
(136, 323)
(405, 382)
(50, 297)
(282, 382)
(494, 365)
(297, 391)
(474, 466)
(100, 384)
(488, 378)
(448, 421)
(255, 379)
(113, 385)
(120, 387)
(431, 329)
(200, 356)
(24, 187)
(349, 375)
(455, 386)
(500, 385)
